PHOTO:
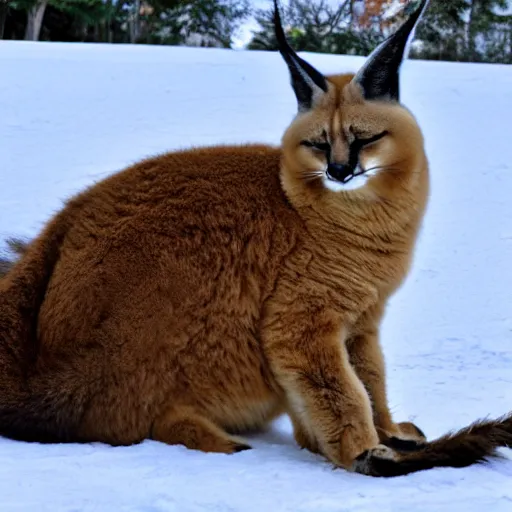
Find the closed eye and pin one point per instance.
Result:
(320, 146)
(370, 140)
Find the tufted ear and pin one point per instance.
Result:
(308, 83)
(380, 76)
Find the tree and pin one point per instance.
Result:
(373, 11)
(35, 19)
(442, 30)
(190, 22)
(460, 30)
(208, 23)
(483, 25)
(85, 12)
(466, 30)
(4, 11)
(35, 10)
(309, 25)
(317, 26)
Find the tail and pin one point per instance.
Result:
(27, 411)
(475, 444)
(18, 248)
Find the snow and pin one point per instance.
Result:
(71, 114)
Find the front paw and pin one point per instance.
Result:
(412, 431)
(403, 437)
(375, 462)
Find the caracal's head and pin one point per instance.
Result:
(351, 135)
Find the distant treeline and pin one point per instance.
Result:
(455, 30)
(173, 22)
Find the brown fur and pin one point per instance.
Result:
(470, 445)
(200, 294)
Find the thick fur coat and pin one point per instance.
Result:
(199, 294)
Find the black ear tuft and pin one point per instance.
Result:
(380, 76)
(308, 83)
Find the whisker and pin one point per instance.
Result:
(312, 173)
(312, 176)
(307, 171)
(379, 168)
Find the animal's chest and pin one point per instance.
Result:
(351, 277)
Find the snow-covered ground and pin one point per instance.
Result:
(71, 114)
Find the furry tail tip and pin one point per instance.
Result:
(475, 444)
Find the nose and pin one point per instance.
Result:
(339, 172)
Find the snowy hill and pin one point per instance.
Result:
(71, 114)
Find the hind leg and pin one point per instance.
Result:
(183, 425)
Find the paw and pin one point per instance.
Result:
(240, 447)
(411, 431)
(228, 445)
(370, 461)
(403, 437)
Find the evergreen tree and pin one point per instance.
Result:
(466, 30)
(208, 23)
(460, 30)
(85, 12)
(486, 27)
(190, 22)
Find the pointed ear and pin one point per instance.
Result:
(380, 76)
(308, 83)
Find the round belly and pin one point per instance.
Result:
(235, 386)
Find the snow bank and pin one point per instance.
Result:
(70, 114)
